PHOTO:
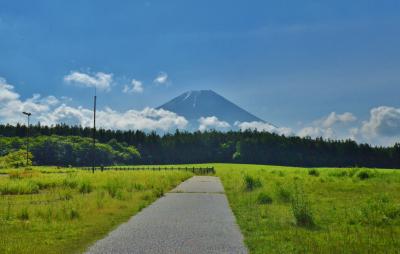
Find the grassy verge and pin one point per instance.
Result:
(46, 210)
(297, 210)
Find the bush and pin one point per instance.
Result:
(85, 187)
(283, 193)
(339, 173)
(301, 209)
(263, 198)
(364, 174)
(313, 172)
(251, 183)
(379, 211)
(15, 159)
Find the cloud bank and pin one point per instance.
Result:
(381, 128)
(49, 111)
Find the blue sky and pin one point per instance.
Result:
(291, 63)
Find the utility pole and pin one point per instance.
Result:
(27, 137)
(94, 131)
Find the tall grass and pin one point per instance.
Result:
(251, 183)
(336, 212)
(51, 208)
(19, 187)
(301, 208)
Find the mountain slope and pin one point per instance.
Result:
(195, 104)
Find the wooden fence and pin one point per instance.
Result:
(195, 170)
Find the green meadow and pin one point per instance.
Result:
(324, 210)
(50, 210)
(278, 209)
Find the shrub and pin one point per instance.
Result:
(364, 174)
(301, 209)
(85, 187)
(379, 211)
(339, 173)
(251, 183)
(283, 193)
(15, 159)
(313, 172)
(264, 198)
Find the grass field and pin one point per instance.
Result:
(279, 209)
(49, 210)
(297, 210)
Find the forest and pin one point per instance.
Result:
(65, 145)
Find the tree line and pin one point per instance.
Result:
(201, 147)
(65, 151)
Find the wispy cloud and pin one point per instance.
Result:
(161, 79)
(135, 86)
(100, 80)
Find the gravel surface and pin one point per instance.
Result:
(194, 218)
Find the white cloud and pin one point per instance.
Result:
(136, 86)
(11, 106)
(7, 91)
(148, 119)
(48, 111)
(333, 126)
(212, 122)
(262, 126)
(383, 126)
(100, 80)
(162, 78)
(315, 131)
(334, 118)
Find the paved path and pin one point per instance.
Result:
(195, 217)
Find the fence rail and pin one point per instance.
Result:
(195, 170)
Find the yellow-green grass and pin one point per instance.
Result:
(50, 210)
(352, 210)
